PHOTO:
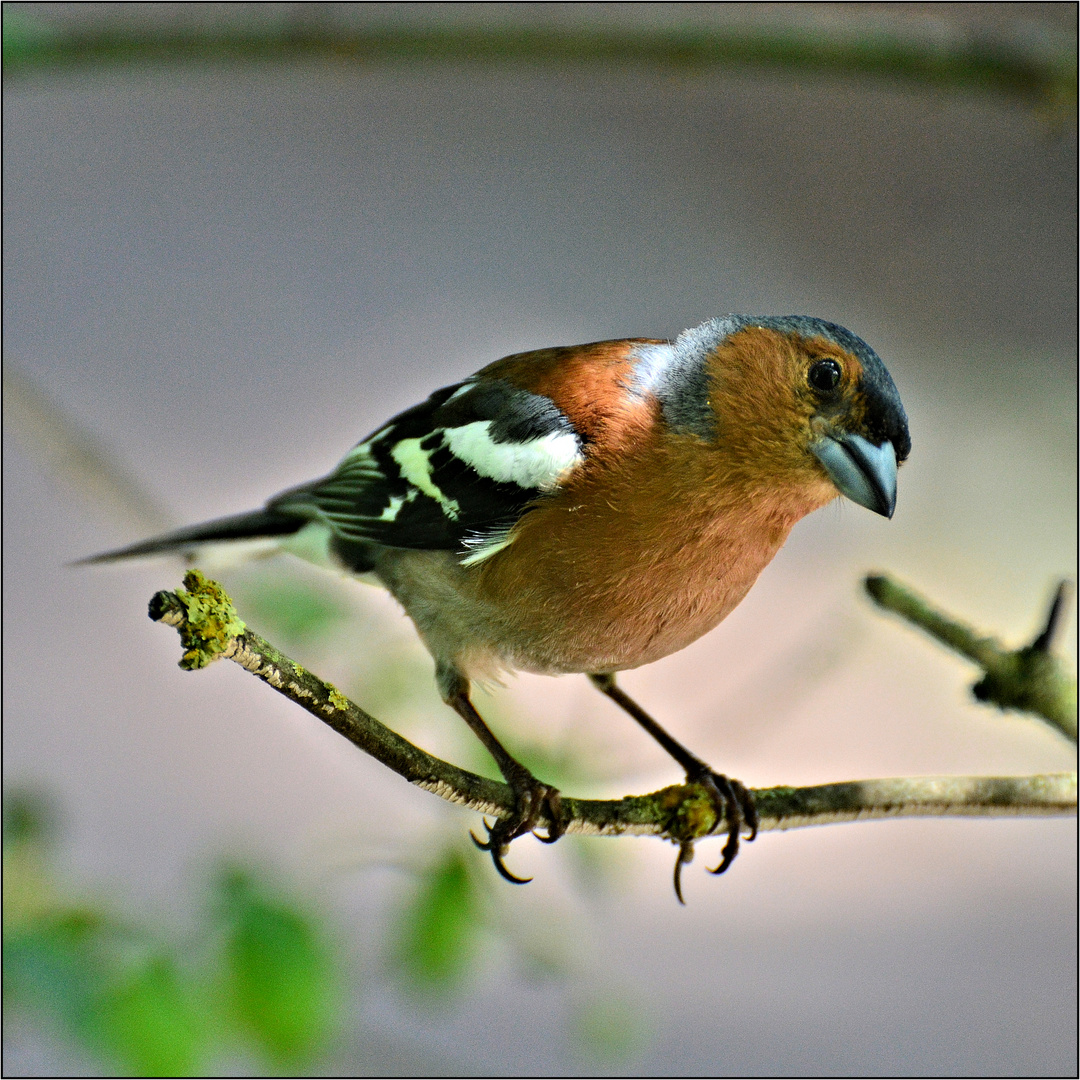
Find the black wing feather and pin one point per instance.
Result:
(367, 498)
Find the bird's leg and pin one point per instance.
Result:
(729, 796)
(532, 796)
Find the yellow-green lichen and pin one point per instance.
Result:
(211, 624)
(694, 813)
(338, 699)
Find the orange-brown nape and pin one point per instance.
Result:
(588, 383)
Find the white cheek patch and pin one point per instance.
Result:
(539, 464)
(415, 464)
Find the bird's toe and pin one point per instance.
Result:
(535, 801)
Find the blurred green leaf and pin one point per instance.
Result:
(567, 764)
(610, 1030)
(287, 609)
(133, 1000)
(103, 985)
(279, 976)
(52, 963)
(150, 1022)
(596, 865)
(29, 817)
(397, 684)
(29, 891)
(438, 934)
(564, 765)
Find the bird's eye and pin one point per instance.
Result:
(824, 376)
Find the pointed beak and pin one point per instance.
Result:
(865, 473)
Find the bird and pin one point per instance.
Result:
(594, 508)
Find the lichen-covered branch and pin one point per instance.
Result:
(1030, 679)
(210, 629)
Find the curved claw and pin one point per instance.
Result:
(483, 845)
(497, 846)
(556, 828)
(496, 858)
(734, 815)
(686, 855)
(532, 796)
(727, 853)
(749, 809)
(739, 812)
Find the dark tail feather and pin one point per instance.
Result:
(257, 525)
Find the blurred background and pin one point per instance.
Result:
(233, 248)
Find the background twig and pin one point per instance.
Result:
(1030, 679)
(950, 57)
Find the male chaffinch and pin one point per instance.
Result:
(595, 507)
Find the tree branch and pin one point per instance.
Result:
(210, 629)
(1029, 679)
(952, 57)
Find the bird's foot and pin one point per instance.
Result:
(734, 805)
(534, 800)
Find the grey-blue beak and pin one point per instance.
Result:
(865, 473)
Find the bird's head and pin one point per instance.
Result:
(799, 401)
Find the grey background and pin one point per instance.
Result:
(231, 274)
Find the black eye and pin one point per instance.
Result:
(824, 376)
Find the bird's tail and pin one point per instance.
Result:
(257, 525)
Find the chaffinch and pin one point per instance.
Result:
(593, 508)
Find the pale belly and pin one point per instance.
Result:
(620, 615)
(646, 622)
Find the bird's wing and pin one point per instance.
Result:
(453, 473)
